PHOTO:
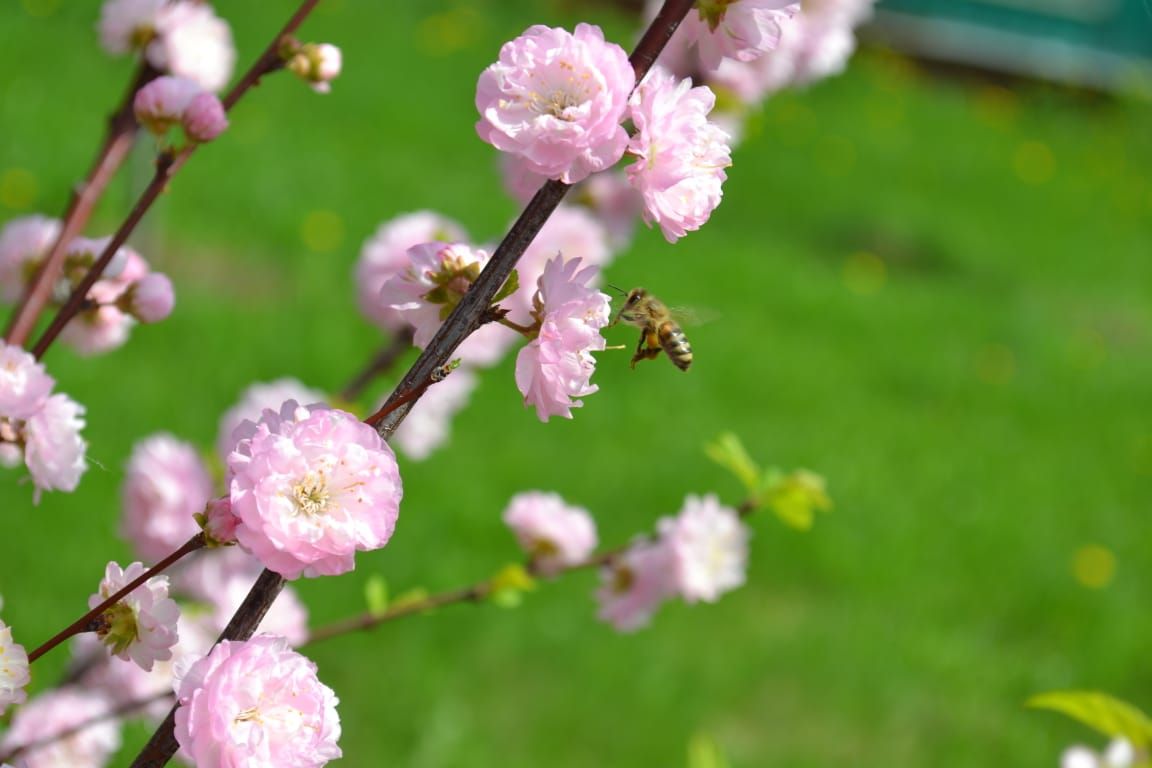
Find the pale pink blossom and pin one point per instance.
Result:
(743, 30)
(142, 625)
(311, 488)
(519, 180)
(571, 232)
(553, 533)
(14, 675)
(161, 104)
(152, 298)
(254, 400)
(256, 703)
(557, 99)
(165, 485)
(219, 522)
(98, 330)
(616, 204)
(1079, 756)
(634, 585)
(557, 365)
(429, 424)
(681, 156)
(24, 384)
(23, 243)
(709, 545)
(205, 578)
(192, 41)
(53, 448)
(436, 277)
(205, 118)
(128, 25)
(58, 711)
(105, 326)
(318, 64)
(385, 254)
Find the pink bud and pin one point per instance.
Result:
(220, 522)
(151, 299)
(161, 103)
(204, 119)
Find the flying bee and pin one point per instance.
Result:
(658, 329)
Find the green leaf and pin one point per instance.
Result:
(376, 595)
(1106, 714)
(795, 497)
(508, 586)
(704, 752)
(510, 286)
(729, 452)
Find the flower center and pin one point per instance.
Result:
(311, 494)
(252, 714)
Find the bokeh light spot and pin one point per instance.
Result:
(865, 273)
(1094, 566)
(18, 189)
(1034, 163)
(322, 231)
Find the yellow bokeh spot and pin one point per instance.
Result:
(996, 364)
(1094, 566)
(997, 106)
(18, 189)
(1033, 162)
(865, 273)
(322, 231)
(40, 8)
(447, 32)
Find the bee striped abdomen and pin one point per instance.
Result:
(676, 345)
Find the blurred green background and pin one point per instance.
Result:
(936, 291)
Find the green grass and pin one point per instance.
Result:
(936, 292)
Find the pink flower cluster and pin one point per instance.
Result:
(14, 675)
(170, 101)
(142, 625)
(556, 535)
(256, 703)
(698, 555)
(39, 428)
(128, 290)
(254, 401)
(56, 712)
(557, 365)
(182, 37)
(310, 488)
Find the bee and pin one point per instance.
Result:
(658, 329)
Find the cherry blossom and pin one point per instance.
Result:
(318, 64)
(740, 30)
(160, 104)
(14, 675)
(192, 41)
(555, 534)
(709, 546)
(24, 384)
(165, 485)
(152, 298)
(205, 118)
(53, 449)
(23, 243)
(141, 626)
(58, 711)
(254, 400)
(634, 585)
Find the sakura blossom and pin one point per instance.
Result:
(385, 255)
(681, 156)
(106, 325)
(141, 626)
(709, 546)
(557, 365)
(739, 30)
(256, 703)
(151, 299)
(634, 585)
(429, 424)
(311, 487)
(553, 533)
(166, 483)
(1119, 754)
(24, 384)
(615, 203)
(55, 712)
(557, 99)
(53, 449)
(161, 104)
(253, 401)
(193, 42)
(14, 675)
(128, 25)
(23, 243)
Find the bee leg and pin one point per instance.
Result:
(646, 350)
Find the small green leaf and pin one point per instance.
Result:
(511, 285)
(795, 497)
(729, 452)
(704, 752)
(376, 594)
(508, 586)
(1106, 714)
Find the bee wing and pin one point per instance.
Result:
(694, 316)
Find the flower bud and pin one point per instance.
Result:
(160, 104)
(151, 298)
(317, 64)
(204, 119)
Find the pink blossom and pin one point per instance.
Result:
(385, 255)
(151, 299)
(254, 400)
(436, 276)
(615, 203)
(428, 425)
(557, 99)
(571, 232)
(105, 326)
(53, 448)
(634, 585)
(165, 485)
(24, 384)
(317, 64)
(555, 534)
(557, 365)
(682, 156)
(142, 625)
(311, 488)
(519, 180)
(55, 712)
(161, 104)
(256, 703)
(193, 42)
(741, 30)
(205, 578)
(23, 243)
(127, 25)
(204, 119)
(709, 544)
(14, 675)
(98, 330)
